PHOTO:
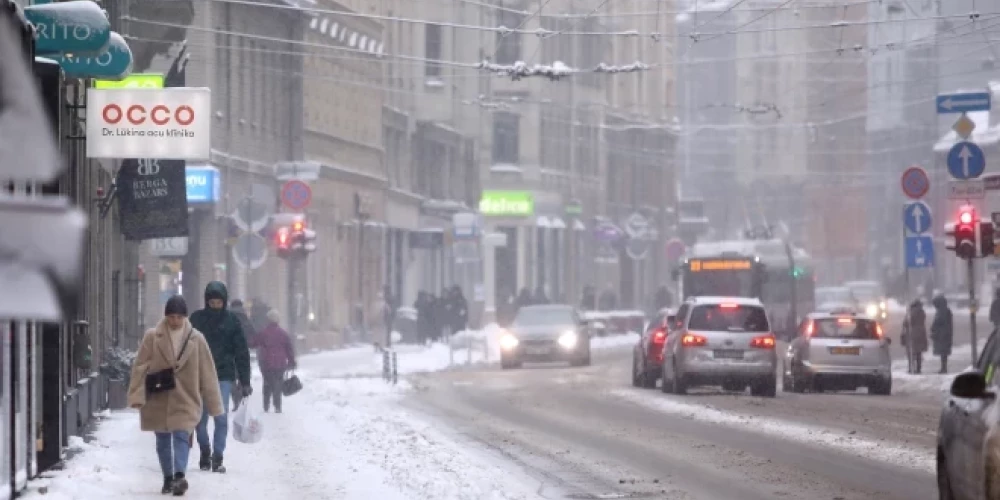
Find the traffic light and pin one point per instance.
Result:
(964, 233)
(986, 244)
(283, 241)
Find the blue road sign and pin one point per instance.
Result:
(919, 252)
(966, 161)
(917, 217)
(963, 103)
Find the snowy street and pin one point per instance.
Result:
(479, 432)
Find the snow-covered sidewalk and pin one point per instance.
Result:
(337, 439)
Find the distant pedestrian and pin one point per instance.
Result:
(942, 331)
(915, 334)
(459, 310)
(231, 353)
(276, 355)
(173, 378)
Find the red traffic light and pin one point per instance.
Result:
(965, 217)
(283, 237)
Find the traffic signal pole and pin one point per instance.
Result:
(973, 307)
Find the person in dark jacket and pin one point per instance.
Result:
(459, 310)
(915, 333)
(995, 309)
(942, 331)
(275, 354)
(231, 354)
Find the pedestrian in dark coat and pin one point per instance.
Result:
(231, 354)
(915, 333)
(276, 355)
(942, 331)
(459, 310)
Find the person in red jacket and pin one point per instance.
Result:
(276, 355)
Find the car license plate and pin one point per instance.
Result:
(849, 351)
(537, 350)
(728, 354)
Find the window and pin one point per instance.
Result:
(508, 48)
(432, 50)
(844, 328)
(728, 318)
(506, 138)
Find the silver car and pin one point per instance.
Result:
(838, 352)
(545, 333)
(721, 341)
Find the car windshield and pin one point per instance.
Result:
(833, 295)
(547, 315)
(728, 317)
(844, 328)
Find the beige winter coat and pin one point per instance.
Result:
(178, 409)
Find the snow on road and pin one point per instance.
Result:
(340, 438)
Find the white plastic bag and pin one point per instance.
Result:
(247, 427)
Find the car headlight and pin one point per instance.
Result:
(568, 340)
(882, 305)
(508, 341)
(872, 309)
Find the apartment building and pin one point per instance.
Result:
(640, 138)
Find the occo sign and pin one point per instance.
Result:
(158, 114)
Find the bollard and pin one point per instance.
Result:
(395, 369)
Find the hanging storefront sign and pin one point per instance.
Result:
(203, 184)
(77, 27)
(507, 203)
(169, 123)
(133, 81)
(152, 198)
(114, 63)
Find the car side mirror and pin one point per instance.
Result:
(970, 385)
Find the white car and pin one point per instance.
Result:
(838, 352)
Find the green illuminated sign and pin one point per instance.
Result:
(136, 81)
(507, 203)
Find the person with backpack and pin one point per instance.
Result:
(224, 334)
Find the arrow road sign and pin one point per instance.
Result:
(917, 217)
(919, 252)
(963, 103)
(915, 183)
(966, 160)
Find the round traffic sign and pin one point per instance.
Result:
(675, 249)
(915, 183)
(966, 161)
(296, 195)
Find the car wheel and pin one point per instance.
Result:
(635, 372)
(678, 384)
(648, 380)
(943, 480)
(881, 386)
(767, 388)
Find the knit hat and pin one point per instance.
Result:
(176, 305)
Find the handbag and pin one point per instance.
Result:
(165, 380)
(291, 385)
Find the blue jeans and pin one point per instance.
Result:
(221, 423)
(173, 448)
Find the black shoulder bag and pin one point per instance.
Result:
(165, 380)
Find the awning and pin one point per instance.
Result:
(578, 226)
(558, 223)
(543, 221)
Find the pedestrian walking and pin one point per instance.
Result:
(459, 310)
(275, 355)
(173, 379)
(236, 307)
(915, 334)
(231, 354)
(942, 331)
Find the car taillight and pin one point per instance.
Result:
(810, 328)
(691, 340)
(878, 331)
(659, 336)
(763, 342)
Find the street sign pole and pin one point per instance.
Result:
(906, 317)
(973, 307)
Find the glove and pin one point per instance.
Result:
(247, 390)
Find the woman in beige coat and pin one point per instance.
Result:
(173, 412)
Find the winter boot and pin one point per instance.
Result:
(180, 485)
(217, 465)
(205, 460)
(168, 485)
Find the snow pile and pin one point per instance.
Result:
(338, 438)
(930, 381)
(823, 438)
(521, 69)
